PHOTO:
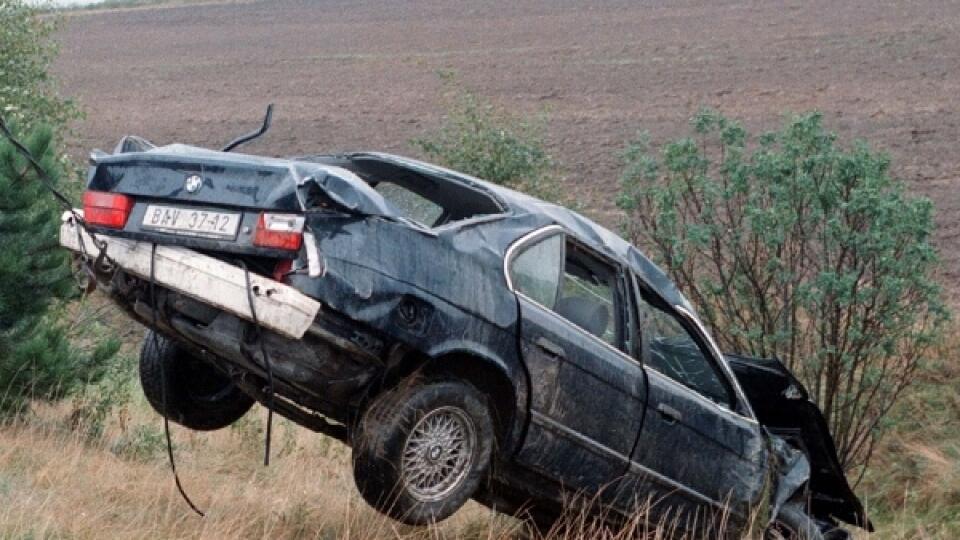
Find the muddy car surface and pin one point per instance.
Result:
(466, 340)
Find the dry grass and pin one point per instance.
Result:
(57, 483)
(912, 489)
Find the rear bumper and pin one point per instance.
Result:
(279, 307)
(321, 361)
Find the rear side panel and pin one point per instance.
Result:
(433, 293)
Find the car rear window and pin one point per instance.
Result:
(410, 204)
(420, 193)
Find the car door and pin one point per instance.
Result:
(586, 395)
(700, 457)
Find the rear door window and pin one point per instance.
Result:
(568, 279)
(588, 294)
(535, 271)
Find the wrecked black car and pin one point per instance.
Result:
(466, 340)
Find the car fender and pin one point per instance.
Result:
(791, 472)
(512, 370)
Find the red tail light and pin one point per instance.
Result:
(106, 209)
(280, 231)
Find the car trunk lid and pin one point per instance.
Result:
(221, 202)
(195, 176)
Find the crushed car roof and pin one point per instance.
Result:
(345, 179)
(517, 204)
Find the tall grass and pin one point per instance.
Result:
(57, 481)
(912, 490)
(60, 482)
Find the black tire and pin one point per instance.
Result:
(198, 396)
(401, 465)
(793, 523)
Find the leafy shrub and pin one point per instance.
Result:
(28, 93)
(142, 443)
(94, 404)
(485, 141)
(794, 247)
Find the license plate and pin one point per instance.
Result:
(191, 222)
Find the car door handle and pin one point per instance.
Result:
(550, 347)
(672, 415)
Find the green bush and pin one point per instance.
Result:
(108, 393)
(792, 246)
(28, 94)
(143, 443)
(485, 141)
(37, 358)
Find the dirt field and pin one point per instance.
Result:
(363, 75)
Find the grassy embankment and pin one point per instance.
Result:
(58, 482)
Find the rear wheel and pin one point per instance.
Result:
(198, 396)
(420, 451)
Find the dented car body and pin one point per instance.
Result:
(593, 373)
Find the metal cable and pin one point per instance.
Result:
(266, 360)
(45, 180)
(163, 385)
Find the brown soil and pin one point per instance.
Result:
(363, 75)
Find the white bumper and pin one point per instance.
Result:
(279, 307)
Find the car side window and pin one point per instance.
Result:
(566, 278)
(675, 352)
(588, 294)
(536, 270)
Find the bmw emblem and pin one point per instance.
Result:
(193, 183)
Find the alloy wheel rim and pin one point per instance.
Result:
(438, 453)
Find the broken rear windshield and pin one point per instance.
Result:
(421, 195)
(410, 204)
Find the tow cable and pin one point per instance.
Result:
(266, 361)
(163, 384)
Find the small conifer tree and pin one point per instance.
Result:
(36, 360)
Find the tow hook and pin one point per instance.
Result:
(83, 274)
